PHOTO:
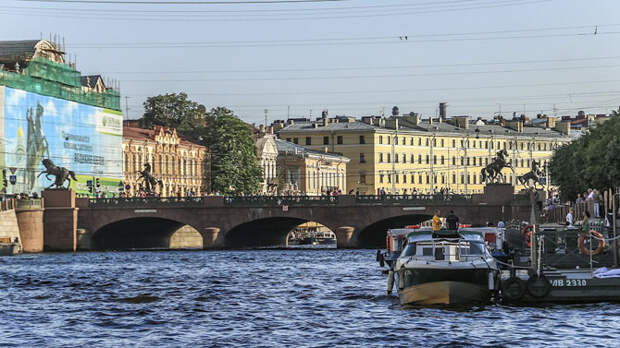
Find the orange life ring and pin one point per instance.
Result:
(587, 251)
(526, 234)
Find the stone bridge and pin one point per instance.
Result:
(241, 222)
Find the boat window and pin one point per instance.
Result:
(427, 251)
(409, 250)
(473, 249)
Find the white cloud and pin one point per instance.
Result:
(14, 98)
(50, 109)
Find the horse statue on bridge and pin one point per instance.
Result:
(149, 180)
(492, 172)
(61, 174)
(535, 176)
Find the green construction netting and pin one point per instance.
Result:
(52, 79)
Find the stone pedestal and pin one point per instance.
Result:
(30, 220)
(501, 194)
(60, 220)
(344, 237)
(209, 237)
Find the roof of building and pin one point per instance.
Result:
(291, 148)
(149, 134)
(425, 126)
(90, 81)
(21, 48)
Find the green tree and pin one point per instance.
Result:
(234, 166)
(173, 110)
(591, 161)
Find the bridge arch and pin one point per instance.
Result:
(373, 235)
(264, 232)
(147, 232)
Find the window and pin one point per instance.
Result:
(468, 161)
(462, 161)
(428, 179)
(380, 157)
(404, 178)
(453, 160)
(404, 141)
(443, 179)
(396, 177)
(362, 178)
(474, 160)
(428, 159)
(420, 179)
(339, 140)
(427, 142)
(521, 146)
(419, 141)
(389, 177)
(462, 178)
(442, 143)
(395, 158)
(411, 143)
(434, 142)
(419, 159)
(522, 163)
(325, 140)
(308, 141)
(381, 179)
(404, 158)
(296, 140)
(434, 159)
(389, 140)
(362, 140)
(486, 144)
(362, 158)
(453, 178)
(442, 159)
(388, 158)
(412, 159)
(380, 139)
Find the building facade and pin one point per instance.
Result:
(408, 153)
(305, 171)
(182, 166)
(267, 154)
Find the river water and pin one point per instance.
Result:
(259, 298)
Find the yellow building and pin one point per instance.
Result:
(305, 171)
(406, 152)
(182, 166)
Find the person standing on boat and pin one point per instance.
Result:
(585, 225)
(436, 221)
(452, 221)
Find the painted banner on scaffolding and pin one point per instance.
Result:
(84, 138)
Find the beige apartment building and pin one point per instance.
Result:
(406, 152)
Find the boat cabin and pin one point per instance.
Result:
(445, 245)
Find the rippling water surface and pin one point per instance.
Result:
(319, 298)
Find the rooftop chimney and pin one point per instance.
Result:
(462, 121)
(324, 117)
(443, 111)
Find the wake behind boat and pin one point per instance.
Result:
(442, 267)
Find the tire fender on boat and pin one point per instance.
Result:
(538, 286)
(513, 289)
(587, 251)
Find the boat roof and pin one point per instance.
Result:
(469, 234)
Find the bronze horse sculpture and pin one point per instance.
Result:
(149, 180)
(533, 175)
(61, 174)
(493, 170)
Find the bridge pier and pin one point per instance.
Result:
(209, 237)
(344, 237)
(60, 220)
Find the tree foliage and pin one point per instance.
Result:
(234, 165)
(173, 110)
(592, 161)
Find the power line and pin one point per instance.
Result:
(374, 76)
(495, 4)
(241, 2)
(364, 68)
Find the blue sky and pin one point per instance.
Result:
(346, 57)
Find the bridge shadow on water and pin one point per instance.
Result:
(138, 233)
(373, 236)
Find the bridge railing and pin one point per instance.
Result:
(275, 201)
(32, 203)
(409, 199)
(147, 202)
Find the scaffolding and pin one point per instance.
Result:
(42, 76)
